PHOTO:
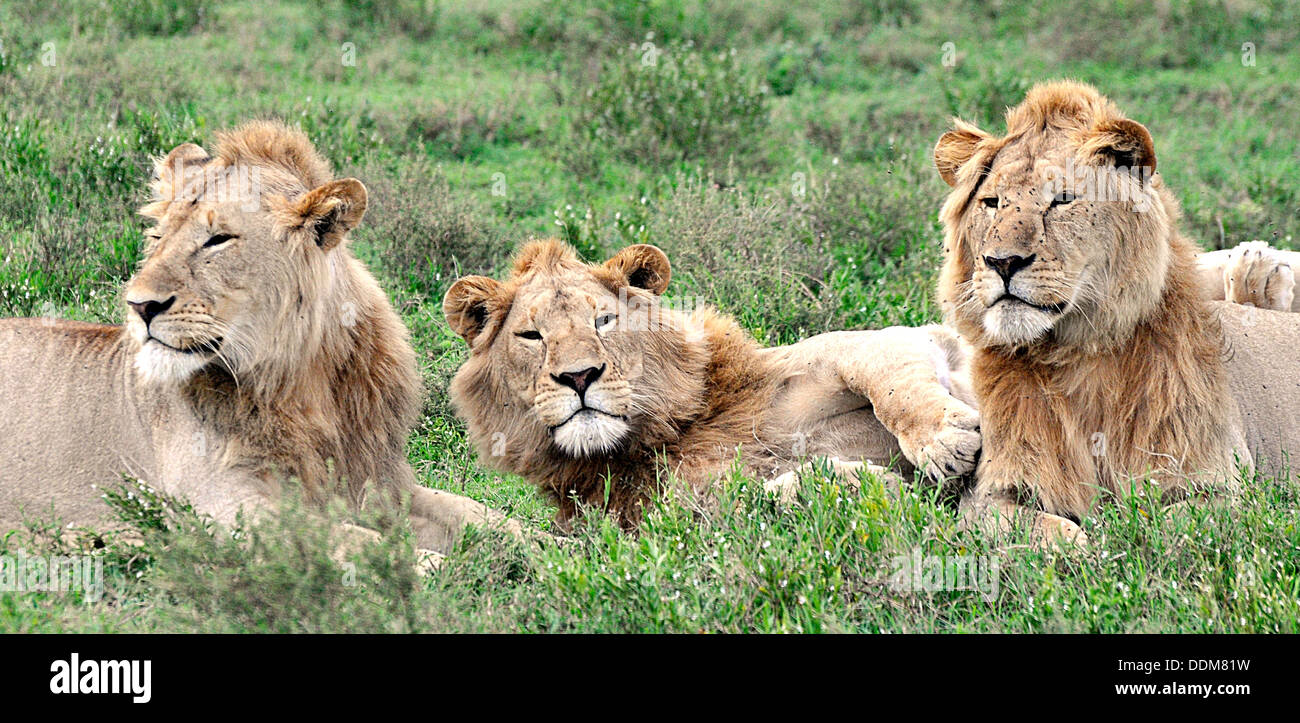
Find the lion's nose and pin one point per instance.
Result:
(149, 309)
(1007, 266)
(579, 381)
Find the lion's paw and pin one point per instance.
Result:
(952, 449)
(428, 561)
(1059, 533)
(785, 488)
(1258, 275)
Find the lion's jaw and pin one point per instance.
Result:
(162, 366)
(1014, 322)
(590, 432)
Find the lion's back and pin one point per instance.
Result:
(1262, 352)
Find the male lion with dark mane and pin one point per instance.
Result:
(1099, 356)
(581, 379)
(256, 348)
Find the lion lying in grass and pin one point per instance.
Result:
(583, 381)
(1098, 358)
(256, 349)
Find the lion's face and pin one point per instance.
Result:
(1050, 232)
(233, 277)
(207, 285)
(570, 356)
(569, 343)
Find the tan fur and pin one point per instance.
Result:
(1112, 363)
(285, 358)
(683, 391)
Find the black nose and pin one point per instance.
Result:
(1007, 266)
(579, 381)
(149, 309)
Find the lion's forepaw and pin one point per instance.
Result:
(428, 561)
(951, 450)
(1060, 533)
(784, 488)
(1258, 275)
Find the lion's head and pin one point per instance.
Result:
(242, 263)
(571, 359)
(1059, 229)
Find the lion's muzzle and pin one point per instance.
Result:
(585, 417)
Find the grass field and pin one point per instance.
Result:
(782, 159)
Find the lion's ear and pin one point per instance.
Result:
(467, 305)
(644, 266)
(955, 148)
(169, 173)
(1125, 143)
(331, 211)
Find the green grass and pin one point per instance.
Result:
(780, 156)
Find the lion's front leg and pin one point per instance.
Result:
(785, 488)
(439, 518)
(352, 539)
(997, 516)
(909, 376)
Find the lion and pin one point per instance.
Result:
(1100, 357)
(256, 349)
(584, 381)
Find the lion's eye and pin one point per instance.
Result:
(990, 202)
(531, 334)
(1063, 198)
(218, 239)
(605, 321)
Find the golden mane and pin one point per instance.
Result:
(275, 145)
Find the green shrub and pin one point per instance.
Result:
(423, 233)
(417, 19)
(983, 100)
(674, 104)
(465, 130)
(161, 17)
(790, 65)
(279, 574)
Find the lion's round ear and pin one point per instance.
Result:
(955, 148)
(1125, 143)
(644, 266)
(331, 211)
(466, 305)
